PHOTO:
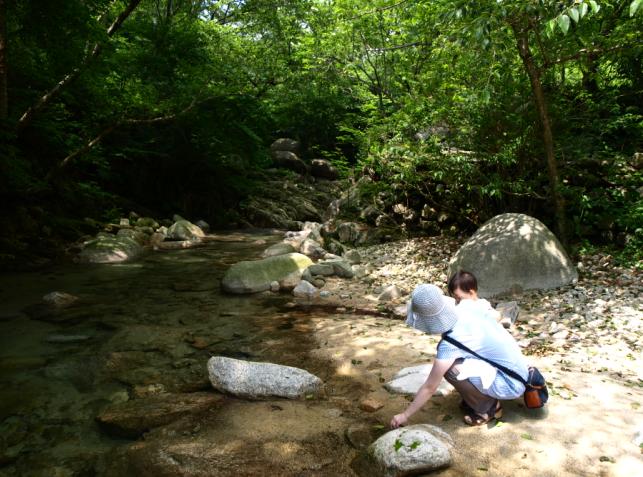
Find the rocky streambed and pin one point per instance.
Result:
(115, 383)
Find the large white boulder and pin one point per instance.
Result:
(412, 450)
(514, 252)
(261, 380)
(257, 275)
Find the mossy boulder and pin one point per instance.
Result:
(107, 248)
(256, 276)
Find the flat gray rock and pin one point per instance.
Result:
(305, 289)
(412, 450)
(409, 380)
(261, 380)
(323, 269)
(59, 299)
(280, 248)
(390, 293)
(312, 248)
(509, 312)
(514, 252)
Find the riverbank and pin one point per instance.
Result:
(141, 333)
(585, 338)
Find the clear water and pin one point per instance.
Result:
(132, 327)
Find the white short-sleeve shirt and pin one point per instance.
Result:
(492, 341)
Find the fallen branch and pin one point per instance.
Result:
(105, 132)
(582, 52)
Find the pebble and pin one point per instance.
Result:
(370, 405)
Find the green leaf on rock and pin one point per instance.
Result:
(529, 437)
(398, 444)
(605, 458)
(415, 445)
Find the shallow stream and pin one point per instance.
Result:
(146, 327)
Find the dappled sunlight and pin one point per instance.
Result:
(282, 450)
(525, 231)
(589, 420)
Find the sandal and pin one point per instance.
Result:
(475, 419)
(466, 408)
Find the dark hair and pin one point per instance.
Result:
(465, 281)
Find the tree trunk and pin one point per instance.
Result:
(28, 115)
(4, 97)
(534, 73)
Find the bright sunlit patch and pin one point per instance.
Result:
(345, 369)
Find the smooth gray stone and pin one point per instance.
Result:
(260, 380)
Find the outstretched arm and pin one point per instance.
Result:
(440, 367)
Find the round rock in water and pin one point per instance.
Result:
(59, 299)
(110, 249)
(260, 380)
(514, 252)
(184, 230)
(412, 450)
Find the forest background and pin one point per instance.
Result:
(471, 108)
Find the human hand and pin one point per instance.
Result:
(398, 420)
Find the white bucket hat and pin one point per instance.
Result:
(430, 311)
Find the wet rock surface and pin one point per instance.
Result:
(133, 418)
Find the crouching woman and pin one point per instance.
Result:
(481, 385)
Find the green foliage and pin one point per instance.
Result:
(429, 99)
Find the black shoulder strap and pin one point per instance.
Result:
(508, 371)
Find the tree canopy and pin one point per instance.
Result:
(474, 108)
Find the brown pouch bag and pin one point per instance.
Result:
(536, 394)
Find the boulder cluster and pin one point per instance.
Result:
(299, 263)
(132, 235)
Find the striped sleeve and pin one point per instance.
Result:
(447, 350)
